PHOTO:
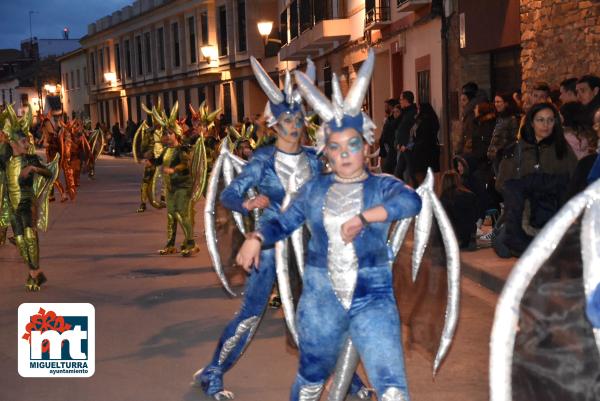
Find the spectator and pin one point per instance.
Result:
(568, 91)
(426, 150)
(403, 133)
(588, 93)
(468, 101)
(540, 93)
(532, 178)
(505, 131)
(474, 184)
(461, 206)
(485, 121)
(576, 134)
(387, 150)
(117, 138)
(583, 170)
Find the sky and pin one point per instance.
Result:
(50, 18)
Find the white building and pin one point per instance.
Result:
(19, 96)
(74, 84)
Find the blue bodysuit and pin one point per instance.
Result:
(347, 288)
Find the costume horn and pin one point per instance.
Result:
(266, 83)
(314, 97)
(356, 94)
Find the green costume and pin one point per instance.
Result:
(26, 187)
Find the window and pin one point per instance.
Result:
(166, 101)
(93, 67)
(188, 101)
(66, 81)
(148, 53)
(223, 51)
(204, 27)
(138, 111)
(306, 15)
(294, 19)
(101, 68)
(227, 102)
(107, 51)
(283, 27)
(118, 61)
(241, 25)
(201, 95)
(127, 59)
(78, 79)
(175, 30)
(72, 80)
(161, 48)
(192, 33)
(423, 86)
(239, 100)
(138, 49)
(85, 78)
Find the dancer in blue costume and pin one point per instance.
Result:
(268, 171)
(347, 287)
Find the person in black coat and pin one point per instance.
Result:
(403, 132)
(461, 206)
(387, 149)
(426, 151)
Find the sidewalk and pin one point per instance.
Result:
(487, 269)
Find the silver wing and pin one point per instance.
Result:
(506, 318)
(226, 166)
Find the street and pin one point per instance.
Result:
(158, 318)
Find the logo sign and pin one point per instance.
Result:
(56, 340)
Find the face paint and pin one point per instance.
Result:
(355, 145)
(345, 155)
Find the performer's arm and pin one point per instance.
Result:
(234, 196)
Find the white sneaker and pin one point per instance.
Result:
(488, 237)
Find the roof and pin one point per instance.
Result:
(70, 54)
(7, 55)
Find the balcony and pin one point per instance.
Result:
(411, 5)
(323, 36)
(377, 17)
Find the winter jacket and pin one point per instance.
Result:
(505, 133)
(482, 136)
(407, 120)
(465, 145)
(426, 152)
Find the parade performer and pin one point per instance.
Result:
(95, 140)
(51, 142)
(184, 175)
(28, 184)
(347, 284)
(80, 150)
(269, 171)
(147, 144)
(4, 156)
(69, 156)
(542, 345)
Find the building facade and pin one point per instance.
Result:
(185, 51)
(74, 84)
(337, 34)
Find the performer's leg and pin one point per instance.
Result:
(76, 166)
(183, 202)
(376, 333)
(171, 234)
(322, 329)
(241, 328)
(3, 231)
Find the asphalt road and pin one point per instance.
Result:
(158, 318)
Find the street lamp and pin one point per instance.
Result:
(110, 77)
(265, 28)
(50, 88)
(208, 52)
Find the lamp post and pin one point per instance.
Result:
(265, 28)
(208, 52)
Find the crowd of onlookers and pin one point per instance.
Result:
(526, 157)
(517, 160)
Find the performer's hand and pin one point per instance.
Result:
(168, 170)
(249, 254)
(147, 163)
(258, 202)
(351, 228)
(27, 171)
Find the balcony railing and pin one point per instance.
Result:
(411, 5)
(377, 16)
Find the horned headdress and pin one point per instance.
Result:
(340, 113)
(280, 102)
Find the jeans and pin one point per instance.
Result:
(372, 322)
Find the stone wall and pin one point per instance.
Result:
(559, 39)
